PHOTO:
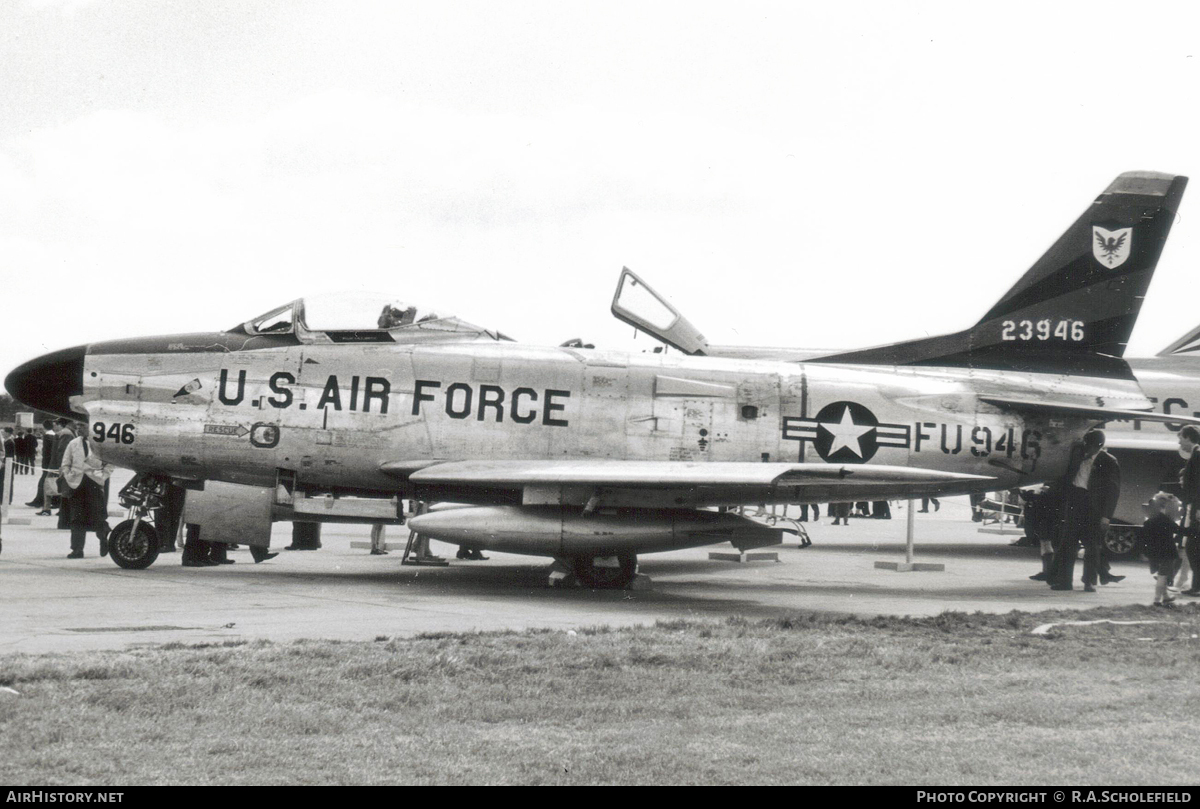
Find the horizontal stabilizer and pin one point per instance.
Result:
(1071, 409)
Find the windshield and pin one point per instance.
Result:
(276, 321)
(359, 311)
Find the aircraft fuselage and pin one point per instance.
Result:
(333, 415)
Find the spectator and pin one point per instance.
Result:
(1160, 534)
(1042, 512)
(85, 476)
(1189, 437)
(1091, 488)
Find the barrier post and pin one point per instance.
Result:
(908, 564)
(910, 523)
(6, 495)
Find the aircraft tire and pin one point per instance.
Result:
(589, 574)
(130, 552)
(1123, 541)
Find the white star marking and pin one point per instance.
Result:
(845, 432)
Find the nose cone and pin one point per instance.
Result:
(48, 382)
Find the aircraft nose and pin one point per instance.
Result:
(49, 381)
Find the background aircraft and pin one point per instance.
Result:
(335, 408)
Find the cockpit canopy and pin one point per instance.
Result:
(362, 317)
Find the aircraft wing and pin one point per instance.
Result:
(1051, 407)
(677, 484)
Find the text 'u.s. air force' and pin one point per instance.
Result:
(459, 400)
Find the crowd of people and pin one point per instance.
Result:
(75, 482)
(73, 478)
(21, 445)
(1075, 512)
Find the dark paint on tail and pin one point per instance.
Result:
(1074, 310)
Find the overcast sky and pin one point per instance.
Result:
(791, 174)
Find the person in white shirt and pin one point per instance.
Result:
(85, 475)
(1090, 489)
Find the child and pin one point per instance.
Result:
(1160, 533)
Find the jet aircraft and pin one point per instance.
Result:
(337, 408)
(1148, 452)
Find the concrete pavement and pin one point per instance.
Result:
(49, 603)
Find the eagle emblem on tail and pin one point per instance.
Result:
(1111, 247)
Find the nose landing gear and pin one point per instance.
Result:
(133, 544)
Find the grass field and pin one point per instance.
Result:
(813, 699)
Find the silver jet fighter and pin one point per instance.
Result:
(336, 408)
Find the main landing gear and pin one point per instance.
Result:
(1123, 541)
(605, 572)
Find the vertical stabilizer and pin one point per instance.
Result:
(1074, 310)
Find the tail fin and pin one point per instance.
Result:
(1186, 346)
(1074, 310)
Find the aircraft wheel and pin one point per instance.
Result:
(1122, 541)
(605, 575)
(133, 552)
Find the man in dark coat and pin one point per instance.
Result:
(22, 445)
(168, 516)
(1091, 488)
(30, 453)
(10, 452)
(1189, 438)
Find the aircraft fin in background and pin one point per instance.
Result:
(1186, 346)
(1074, 310)
(1071, 409)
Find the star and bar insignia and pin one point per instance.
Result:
(846, 432)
